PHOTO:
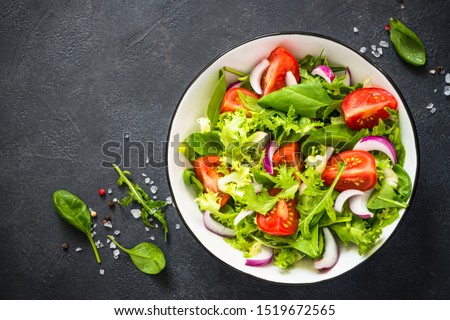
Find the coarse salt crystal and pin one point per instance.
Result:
(147, 180)
(147, 160)
(108, 224)
(78, 249)
(433, 110)
(435, 90)
(109, 190)
(169, 200)
(116, 232)
(376, 54)
(432, 71)
(380, 50)
(156, 225)
(374, 47)
(355, 29)
(384, 44)
(126, 135)
(152, 182)
(143, 174)
(102, 272)
(152, 238)
(90, 209)
(155, 197)
(115, 200)
(112, 245)
(447, 90)
(116, 252)
(447, 78)
(154, 189)
(402, 6)
(95, 225)
(93, 233)
(147, 229)
(363, 49)
(136, 213)
(430, 105)
(177, 226)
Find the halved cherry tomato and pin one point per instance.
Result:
(231, 102)
(274, 78)
(364, 107)
(206, 172)
(360, 172)
(288, 154)
(282, 220)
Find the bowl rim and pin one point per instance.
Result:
(390, 80)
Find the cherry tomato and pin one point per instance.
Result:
(231, 102)
(206, 172)
(360, 172)
(282, 220)
(288, 154)
(364, 107)
(274, 78)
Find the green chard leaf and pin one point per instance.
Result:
(76, 213)
(213, 110)
(150, 208)
(147, 257)
(407, 44)
(306, 98)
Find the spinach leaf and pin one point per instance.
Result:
(213, 111)
(338, 136)
(306, 98)
(190, 179)
(147, 257)
(206, 143)
(150, 208)
(76, 213)
(407, 43)
(250, 103)
(404, 182)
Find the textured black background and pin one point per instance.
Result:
(76, 74)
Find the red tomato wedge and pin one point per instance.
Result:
(231, 102)
(282, 220)
(274, 78)
(288, 154)
(364, 107)
(206, 172)
(360, 172)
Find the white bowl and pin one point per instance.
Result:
(193, 105)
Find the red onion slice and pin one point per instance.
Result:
(256, 75)
(271, 148)
(344, 196)
(348, 78)
(236, 84)
(325, 72)
(358, 205)
(331, 252)
(290, 79)
(241, 216)
(261, 259)
(377, 143)
(216, 227)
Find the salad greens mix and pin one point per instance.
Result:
(240, 193)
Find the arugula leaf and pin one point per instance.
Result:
(306, 98)
(150, 208)
(311, 246)
(385, 198)
(213, 110)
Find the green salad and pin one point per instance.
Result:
(293, 158)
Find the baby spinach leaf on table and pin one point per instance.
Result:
(306, 98)
(150, 208)
(407, 43)
(76, 213)
(147, 257)
(213, 110)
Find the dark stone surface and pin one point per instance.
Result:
(77, 74)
